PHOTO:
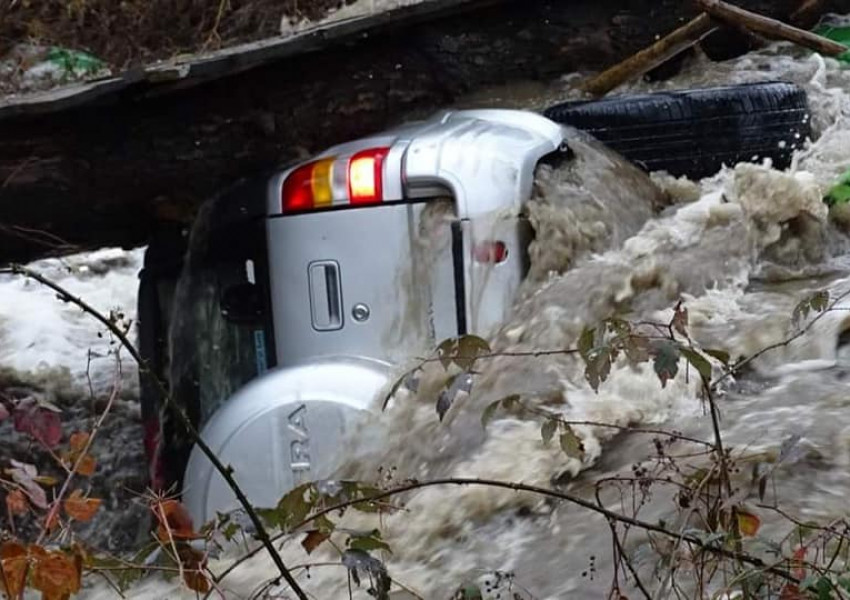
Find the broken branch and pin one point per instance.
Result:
(647, 59)
(770, 27)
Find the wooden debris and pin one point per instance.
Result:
(770, 27)
(647, 59)
(807, 13)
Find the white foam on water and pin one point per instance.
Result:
(39, 332)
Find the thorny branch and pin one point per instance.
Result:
(225, 471)
(521, 487)
(54, 509)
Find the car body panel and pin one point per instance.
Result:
(383, 283)
(281, 430)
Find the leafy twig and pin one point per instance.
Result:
(521, 487)
(226, 472)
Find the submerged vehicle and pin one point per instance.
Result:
(301, 294)
(323, 278)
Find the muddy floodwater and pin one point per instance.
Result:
(609, 241)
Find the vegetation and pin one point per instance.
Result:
(141, 31)
(710, 547)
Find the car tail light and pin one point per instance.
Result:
(490, 251)
(365, 176)
(322, 183)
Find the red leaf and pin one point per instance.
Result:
(43, 425)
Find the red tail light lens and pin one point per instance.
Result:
(365, 176)
(490, 252)
(297, 193)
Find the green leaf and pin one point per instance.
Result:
(293, 508)
(469, 348)
(359, 560)
(367, 543)
(698, 362)
(511, 403)
(230, 530)
(666, 362)
(720, 355)
(468, 591)
(356, 490)
(824, 588)
(489, 413)
(598, 368)
(820, 301)
(446, 351)
(585, 343)
(547, 430)
(570, 443)
(619, 327)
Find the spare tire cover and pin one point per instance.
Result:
(279, 431)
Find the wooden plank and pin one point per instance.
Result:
(187, 71)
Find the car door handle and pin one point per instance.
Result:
(325, 295)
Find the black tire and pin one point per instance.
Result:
(696, 132)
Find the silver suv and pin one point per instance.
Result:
(316, 284)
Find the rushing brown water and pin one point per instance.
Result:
(607, 243)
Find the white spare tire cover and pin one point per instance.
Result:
(279, 431)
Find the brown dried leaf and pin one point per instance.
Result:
(196, 580)
(13, 560)
(193, 562)
(78, 442)
(680, 320)
(81, 508)
(174, 518)
(16, 502)
(748, 523)
(54, 573)
(87, 466)
(313, 540)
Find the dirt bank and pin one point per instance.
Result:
(139, 31)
